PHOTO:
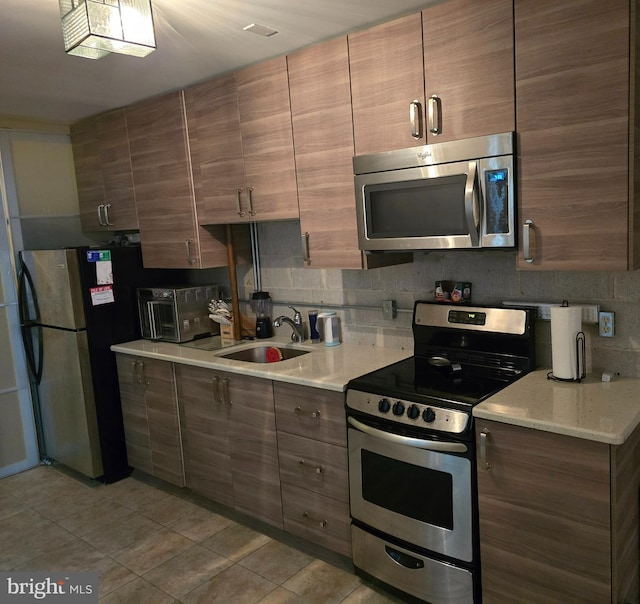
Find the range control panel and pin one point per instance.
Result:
(408, 412)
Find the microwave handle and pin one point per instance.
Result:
(471, 204)
(418, 443)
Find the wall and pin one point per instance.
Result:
(357, 295)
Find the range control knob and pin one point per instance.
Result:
(384, 405)
(413, 412)
(428, 415)
(398, 408)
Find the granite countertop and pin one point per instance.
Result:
(325, 367)
(606, 412)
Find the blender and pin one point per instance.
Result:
(261, 306)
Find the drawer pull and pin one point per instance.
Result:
(313, 414)
(316, 469)
(322, 523)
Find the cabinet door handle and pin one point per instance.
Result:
(435, 114)
(239, 202)
(100, 218)
(322, 522)
(316, 469)
(305, 248)
(106, 214)
(215, 389)
(313, 414)
(415, 118)
(526, 240)
(138, 373)
(190, 258)
(484, 439)
(226, 396)
(250, 201)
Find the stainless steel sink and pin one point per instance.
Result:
(258, 354)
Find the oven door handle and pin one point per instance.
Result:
(418, 443)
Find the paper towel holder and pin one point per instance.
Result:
(581, 370)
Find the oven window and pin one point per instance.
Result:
(420, 493)
(431, 207)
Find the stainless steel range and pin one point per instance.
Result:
(412, 469)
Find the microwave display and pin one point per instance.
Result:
(497, 193)
(417, 208)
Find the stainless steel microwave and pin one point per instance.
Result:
(176, 314)
(458, 194)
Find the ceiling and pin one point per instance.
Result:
(196, 39)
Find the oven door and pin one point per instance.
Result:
(419, 491)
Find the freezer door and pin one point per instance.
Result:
(67, 402)
(56, 280)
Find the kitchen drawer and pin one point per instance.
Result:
(322, 520)
(310, 412)
(314, 465)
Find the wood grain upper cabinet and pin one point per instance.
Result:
(103, 173)
(241, 146)
(574, 124)
(558, 516)
(469, 69)
(169, 234)
(323, 141)
(150, 415)
(387, 76)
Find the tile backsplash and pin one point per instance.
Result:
(357, 295)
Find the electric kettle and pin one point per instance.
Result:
(329, 328)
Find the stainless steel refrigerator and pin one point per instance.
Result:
(74, 304)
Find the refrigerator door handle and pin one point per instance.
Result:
(25, 285)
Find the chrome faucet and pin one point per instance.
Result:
(296, 325)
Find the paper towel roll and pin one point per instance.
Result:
(566, 322)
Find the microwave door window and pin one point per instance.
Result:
(431, 207)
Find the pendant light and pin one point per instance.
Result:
(95, 28)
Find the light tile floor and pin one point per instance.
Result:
(150, 544)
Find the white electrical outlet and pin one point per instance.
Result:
(606, 324)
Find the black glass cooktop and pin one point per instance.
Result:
(415, 380)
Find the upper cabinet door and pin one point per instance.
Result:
(572, 94)
(267, 140)
(242, 146)
(469, 69)
(103, 173)
(387, 85)
(323, 140)
(215, 143)
(120, 208)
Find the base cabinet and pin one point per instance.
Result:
(552, 527)
(150, 415)
(312, 444)
(229, 440)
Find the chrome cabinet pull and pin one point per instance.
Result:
(415, 117)
(238, 202)
(215, 389)
(322, 522)
(250, 201)
(106, 215)
(313, 414)
(435, 114)
(190, 258)
(484, 436)
(226, 396)
(472, 204)
(138, 373)
(100, 219)
(316, 469)
(526, 240)
(305, 248)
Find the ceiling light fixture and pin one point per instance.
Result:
(261, 30)
(95, 28)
